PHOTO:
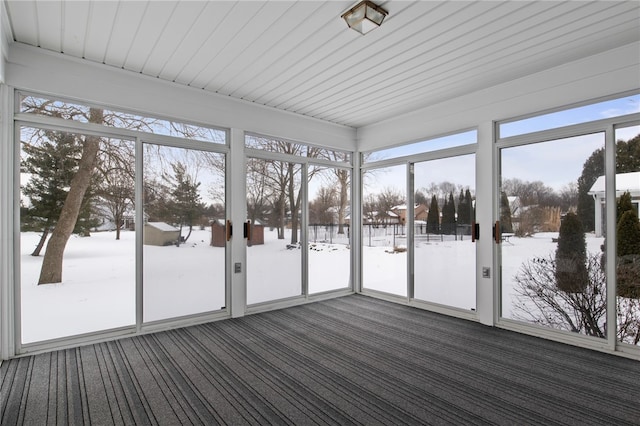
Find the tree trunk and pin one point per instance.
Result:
(189, 234)
(281, 217)
(51, 271)
(294, 203)
(118, 220)
(343, 177)
(43, 238)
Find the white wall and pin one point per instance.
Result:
(51, 73)
(611, 72)
(6, 313)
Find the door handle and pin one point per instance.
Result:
(229, 230)
(247, 230)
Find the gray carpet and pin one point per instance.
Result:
(351, 360)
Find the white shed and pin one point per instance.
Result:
(625, 182)
(160, 234)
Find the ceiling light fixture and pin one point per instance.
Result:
(364, 16)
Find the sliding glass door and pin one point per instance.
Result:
(444, 253)
(384, 230)
(274, 253)
(77, 233)
(184, 233)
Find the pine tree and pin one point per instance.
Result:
(623, 205)
(449, 215)
(628, 249)
(471, 206)
(51, 164)
(463, 209)
(571, 256)
(505, 214)
(433, 217)
(185, 205)
(628, 235)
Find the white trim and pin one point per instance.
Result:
(38, 70)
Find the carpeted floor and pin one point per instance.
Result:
(351, 360)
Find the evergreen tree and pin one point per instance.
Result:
(185, 206)
(471, 206)
(433, 217)
(623, 205)
(627, 249)
(571, 256)
(51, 164)
(628, 233)
(464, 209)
(449, 216)
(505, 214)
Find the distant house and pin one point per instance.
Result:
(625, 182)
(419, 212)
(160, 234)
(516, 209)
(388, 218)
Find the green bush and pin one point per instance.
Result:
(628, 255)
(571, 256)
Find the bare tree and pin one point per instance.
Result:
(116, 187)
(539, 300)
(320, 208)
(386, 201)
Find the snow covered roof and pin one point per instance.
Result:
(625, 182)
(162, 226)
(404, 207)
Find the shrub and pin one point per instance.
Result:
(628, 255)
(571, 256)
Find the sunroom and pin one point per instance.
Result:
(277, 115)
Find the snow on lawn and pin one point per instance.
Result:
(444, 269)
(97, 292)
(98, 288)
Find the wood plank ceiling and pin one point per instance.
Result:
(299, 56)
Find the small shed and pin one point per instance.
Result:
(257, 234)
(160, 234)
(218, 233)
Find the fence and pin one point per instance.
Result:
(376, 235)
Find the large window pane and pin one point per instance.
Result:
(329, 229)
(77, 240)
(627, 233)
(384, 234)
(184, 238)
(296, 149)
(552, 264)
(554, 120)
(445, 257)
(274, 261)
(122, 120)
(428, 145)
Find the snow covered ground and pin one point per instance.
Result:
(98, 288)
(98, 291)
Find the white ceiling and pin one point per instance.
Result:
(301, 57)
